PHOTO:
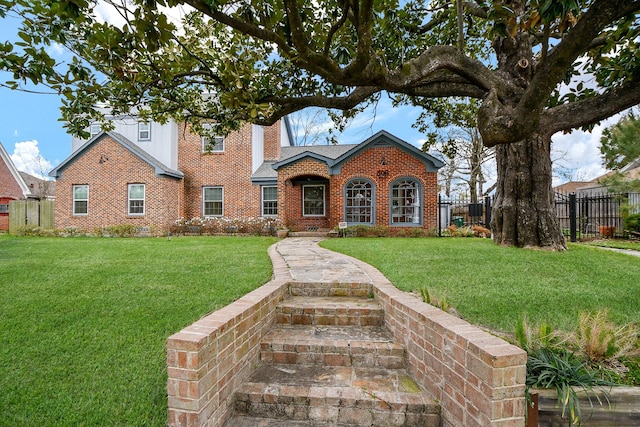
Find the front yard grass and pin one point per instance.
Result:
(494, 286)
(84, 321)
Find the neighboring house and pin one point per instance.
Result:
(16, 185)
(150, 174)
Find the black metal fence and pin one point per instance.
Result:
(581, 216)
(463, 212)
(594, 215)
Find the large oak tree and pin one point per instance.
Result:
(258, 60)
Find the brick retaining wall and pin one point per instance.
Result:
(478, 379)
(208, 360)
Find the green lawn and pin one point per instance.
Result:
(494, 286)
(83, 321)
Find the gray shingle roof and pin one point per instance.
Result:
(329, 151)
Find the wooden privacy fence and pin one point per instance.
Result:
(31, 213)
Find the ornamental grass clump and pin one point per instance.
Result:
(603, 343)
(567, 374)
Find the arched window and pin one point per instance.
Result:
(359, 202)
(406, 202)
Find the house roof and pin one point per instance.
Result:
(14, 172)
(159, 167)
(39, 187)
(336, 155)
(571, 186)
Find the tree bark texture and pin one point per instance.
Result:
(524, 213)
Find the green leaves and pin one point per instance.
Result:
(619, 143)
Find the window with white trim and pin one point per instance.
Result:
(80, 199)
(4, 208)
(269, 200)
(359, 202)
(406, 202)
(136, 199)
(214, 144)
(212, 201)
(313, 203)
(95, 129)
(144, 131)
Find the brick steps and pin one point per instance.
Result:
(337, 396)
(369, 346)
(330, 362)
(343, 311)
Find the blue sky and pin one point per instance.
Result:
(30, 129)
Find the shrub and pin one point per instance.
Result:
(216, 226)
(416, 232)
(632, 223)
(121, 230)
(480, 231)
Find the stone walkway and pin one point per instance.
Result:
(307, 262)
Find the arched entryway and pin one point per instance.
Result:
(308, 203)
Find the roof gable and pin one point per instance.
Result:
(159, 167)
(385, 139)
(14, 172)
(336, 155)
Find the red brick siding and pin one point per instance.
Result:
(9, 188)
(290, 194)
(272, 142)
(230, 169)
(108, 190)
(399, 164)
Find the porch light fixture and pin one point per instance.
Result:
(383, 161)
(103, 159)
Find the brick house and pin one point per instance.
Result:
(151, 174)
(16, 185)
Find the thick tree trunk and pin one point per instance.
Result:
(524, 213)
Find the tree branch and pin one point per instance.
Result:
(287, 105)
(578, 40)
(581, 113)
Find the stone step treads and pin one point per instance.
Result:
(338, 396)
(331, 289)
(330, 311)
(368, 346)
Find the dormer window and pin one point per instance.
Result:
(94, 129)
(144, 131)
(214, 144)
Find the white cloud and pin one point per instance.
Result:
(56, 49)
(577, 154)
(26, 157)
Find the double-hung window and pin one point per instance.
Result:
(80, 199)
(212, 201)
(212, 143)
(406, 202)
(313, 200)
(136, 199)
(144, 131)
(269, 201)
